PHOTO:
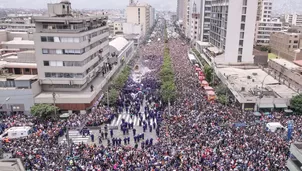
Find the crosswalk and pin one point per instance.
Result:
(135, 120)
(76, 137)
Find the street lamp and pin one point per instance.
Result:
(261, 94)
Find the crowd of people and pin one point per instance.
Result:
(195, 135)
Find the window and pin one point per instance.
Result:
(43, 39)
(240, 42)
(244, 2)
(242, 35)
(45, 51)
(295, 46)
(296, 41)
(289, 41)
(50, 39)
(243, 18)
(243, 10)
(242, 26)
(239, 59)
(46, 63)
(27, 70)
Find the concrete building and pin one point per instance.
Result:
(264, 10)
(255, 89)
(60, 37)
(130, 28)
(265, 25)
(139, 13)
(18, 43)
(18, 92)
(194, 26)
(120, 49)
(294, 162)
(152, 16)
(205, 20)
(180, 10)
(286, 45)
(264, 30)
(11, 165)
(118, 27)
(287, 73)
(293, 19)
(232, 29)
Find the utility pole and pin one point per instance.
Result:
(169, 107)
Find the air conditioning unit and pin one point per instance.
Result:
(242, 88)
(255, 74)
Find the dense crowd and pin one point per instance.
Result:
(196, 135)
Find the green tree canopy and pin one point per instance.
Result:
(44, 111)
(296, 103)
(208, 71)
(222, 99)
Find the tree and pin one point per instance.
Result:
(168, 91)
(113, 96)
(221, 89)
(222, 99)
(296, 103)
(208, 72)
(44, 111)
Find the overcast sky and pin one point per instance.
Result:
(279, 5)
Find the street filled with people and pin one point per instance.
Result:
(196, 134)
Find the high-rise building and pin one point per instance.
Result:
(180, 10)
(194, 25)
(71, 50)
(265, 25)
(139, 13)
(205, 20)
(264, 10)
(233, 27)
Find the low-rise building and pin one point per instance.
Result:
(18, 43)
(18, 92)
(286, 45)
(287, 73)
(120, 49)
(294, 162)
(293, 19)
(254, 89)
(264, 30)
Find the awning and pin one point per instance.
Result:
(257, 114)
(280, 105)
(268, 105)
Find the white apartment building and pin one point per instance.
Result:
(130, 28)
(264, 10)
(265, 25)
(152, 16)
(293, 19)
(194, 26)
(232, 29)
(205, 20)
(264, 30)
(139, 13)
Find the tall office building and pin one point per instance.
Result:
(233, 27)
(205, 20)
(194, 26)
(180, 9)
(139, 13)
(70, 50)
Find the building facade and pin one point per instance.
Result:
(287, 73)
(265, 25)
(293, 19)
(286, 45)
(180, 10)
(264, 10)
(233, 27)
(205, 20)
(264, 31)
(139, 13)
(58, 39)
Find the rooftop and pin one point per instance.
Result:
(11, 165)
(285, 63)
(18, 41)
(248, 83)
(118, 43)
